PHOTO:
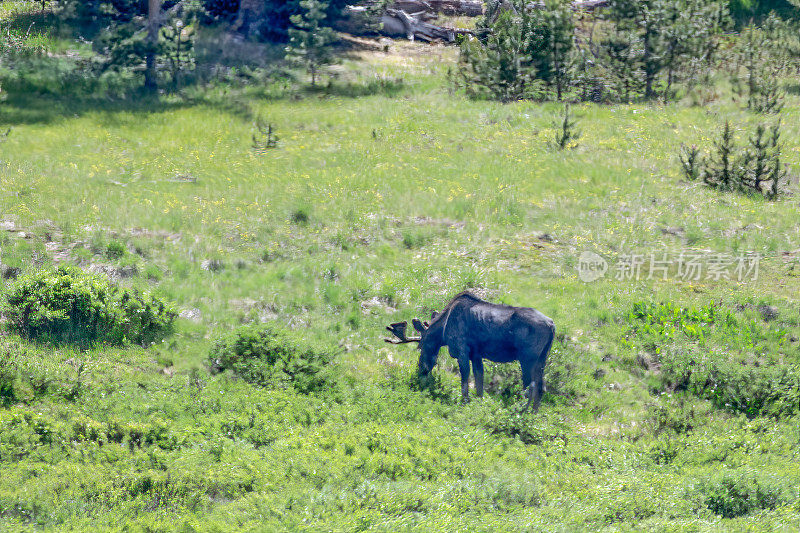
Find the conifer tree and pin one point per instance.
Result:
(309, 40)
(652, 40)
(550, 34)
(499, 68)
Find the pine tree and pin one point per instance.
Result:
(778, 175)
(721, 171)
(499, 68)
(644, 22)
(309, 41)
(550, 35)
(762, 71)
(756, 160)
(621, 55)
(653, 39)
(566, 134)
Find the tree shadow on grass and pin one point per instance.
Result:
(377, 86)
(20, 109)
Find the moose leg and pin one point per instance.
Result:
(477, 371)
(463, 367)
(538, 388)
(533, 382)
(461, 354)
(529, 385)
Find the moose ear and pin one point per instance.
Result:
(434, 315)
(418, 325)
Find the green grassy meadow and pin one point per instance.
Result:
(672, 405)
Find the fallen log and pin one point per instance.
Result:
(577, 5)
(467, 8)
(409, 18)
(397, 23)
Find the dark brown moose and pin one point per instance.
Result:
(474, 330)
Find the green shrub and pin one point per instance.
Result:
(266, 357)
(528, 427)
(68, 305)
(28, 373)
(301, 215)
(115, 250)
(736, 494)
(733, 385)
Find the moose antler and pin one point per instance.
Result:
(398, 329)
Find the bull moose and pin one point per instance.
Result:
(473, 330)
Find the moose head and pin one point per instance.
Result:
(429, 341)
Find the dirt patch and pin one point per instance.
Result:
(441, 222)
(114, 273)
(192, 314)
(376, 305)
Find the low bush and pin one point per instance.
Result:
(528, 427)
(713, 353)
(264, 356)
(68, 305)
(736, 494)
(28, 374)
(751, 389)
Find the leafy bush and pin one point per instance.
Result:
(667, 319)
(71, 306)
(735, 385)
(266, 357)
(528, 427)
(736, 494)
(733, 378)
(115, 250)
(27, 374)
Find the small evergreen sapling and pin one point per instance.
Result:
(760, 84)
(691, 161)
(758, 168)
(755, 160)
(521, 52)
(778, 174)
(550, 36)
(177, 47)
(567, 135)
(721, 170)
(264, 137)
(498, 68)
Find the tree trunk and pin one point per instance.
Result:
(153, 16)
